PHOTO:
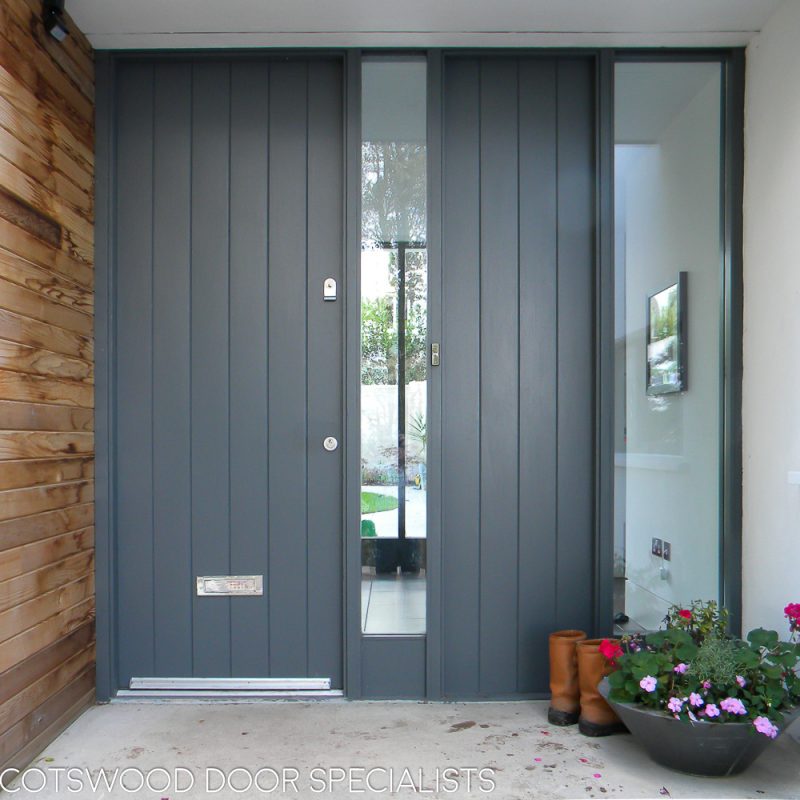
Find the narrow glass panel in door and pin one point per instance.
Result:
(394, 332)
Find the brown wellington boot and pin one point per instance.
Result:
(564, 691)
(597, 717)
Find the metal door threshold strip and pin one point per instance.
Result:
(229, 688)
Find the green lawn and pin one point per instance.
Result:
(373, 502)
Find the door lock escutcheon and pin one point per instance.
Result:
(330, 443)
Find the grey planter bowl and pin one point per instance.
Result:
(697, 748)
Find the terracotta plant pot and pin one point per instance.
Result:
(697, 748)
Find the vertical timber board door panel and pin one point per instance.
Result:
(229, 215)
(288, 388)
(210, 394)
(517, 366)
(172, 487)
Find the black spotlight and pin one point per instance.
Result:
(53, 18)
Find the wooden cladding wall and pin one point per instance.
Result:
(46, 381)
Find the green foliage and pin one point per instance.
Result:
(418, 429)
(707, 619)
(374, 502)
(718, 661)
(694, 656)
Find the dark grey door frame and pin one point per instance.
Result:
(731, 233)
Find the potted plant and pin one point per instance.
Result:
(699, 700)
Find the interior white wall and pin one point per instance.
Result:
(771, 391)
(668, 193)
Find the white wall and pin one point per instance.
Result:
(771, 402)
(379, 421)
(671, 211)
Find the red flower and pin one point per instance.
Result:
(792, 612)
(684, 613)
(610, 650)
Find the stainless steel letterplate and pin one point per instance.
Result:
(329, 289)
(435, 354)
(227, 585)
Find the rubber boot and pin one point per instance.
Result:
(564, 691)
(597, 718)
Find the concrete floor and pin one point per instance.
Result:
(528, 757)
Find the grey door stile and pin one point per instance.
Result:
(228, 212)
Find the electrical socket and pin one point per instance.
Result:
(657, 547)
(667, 551)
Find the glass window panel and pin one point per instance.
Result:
(394, 330)
(668, 290)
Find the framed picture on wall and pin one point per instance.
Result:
(666, 339)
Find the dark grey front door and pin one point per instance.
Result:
(229, 217)
(517, 367)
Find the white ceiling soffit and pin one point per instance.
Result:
(126, 24)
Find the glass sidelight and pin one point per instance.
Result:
(394, 331)
(668, 335)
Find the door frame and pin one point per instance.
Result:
(106, 566)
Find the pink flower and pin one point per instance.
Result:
(684, 613)
(763, 725)
(706, 685)
(733, 706)
(680, 668)
(648, 683)
(610, 650)
(712, 710)
(675, 705)
(741, 681)
(695, 700)
(792, 611)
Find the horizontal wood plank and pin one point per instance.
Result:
(31, 641)
(47, 202)
(36, 555)
(47, 601)
(37, 472)
(23, 757)
(32, 361)
(44, 281)
(16, 532)
(47, 84)
(24, 244)
(39, 691)
(36, 108)
(79, 70)
(24, 330)
(37, 499)
(49, 151)
(31, 304)
(24, 673)
(21, 618)
(25, 158)
(38, 389)
(32, 584)
(76, 44)
(17, 416)
(43, 717)
(44, 444)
